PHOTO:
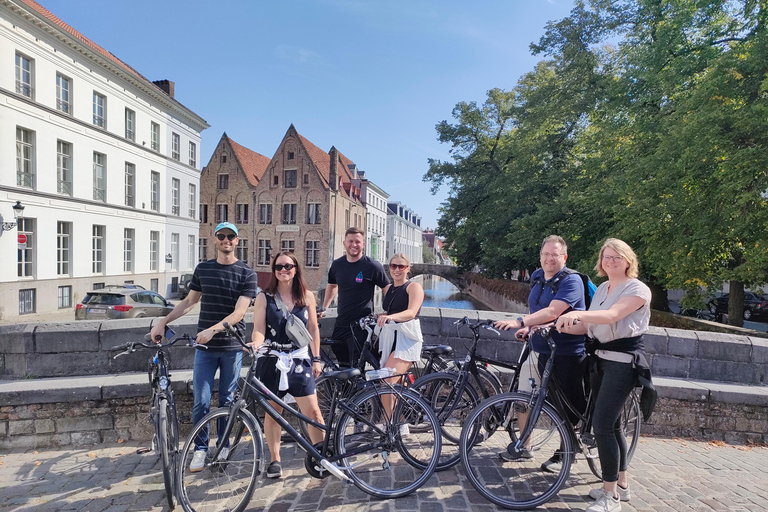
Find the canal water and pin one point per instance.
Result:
(440, 293)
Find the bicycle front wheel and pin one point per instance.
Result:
(523, 483)
(227, 482)
(388, 455)
(167, 442)
(630, 425)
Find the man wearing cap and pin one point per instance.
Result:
(226, 286)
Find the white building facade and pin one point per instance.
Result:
(375, 201)
(404, 233)
(105, 163)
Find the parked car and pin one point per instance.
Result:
(184, 285)
(109, 303)
(754, 305)
(120, 286)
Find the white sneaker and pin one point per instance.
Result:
(605, 503)
(404, 430)
(624, 494)
(198, 461)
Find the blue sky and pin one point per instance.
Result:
(369, 77)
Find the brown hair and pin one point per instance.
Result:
(299, 288)
(554, 239)
(625, 251)
(354, 231)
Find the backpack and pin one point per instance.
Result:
(589, 286)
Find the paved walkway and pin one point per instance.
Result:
(667, 475)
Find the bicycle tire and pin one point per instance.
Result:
(222, 485)
(381, 460)
(521, 484)
(631, 418)
(440, 391)
(165, 441)
(324, 387)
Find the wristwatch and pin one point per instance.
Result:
(520, 319)
(317, 360)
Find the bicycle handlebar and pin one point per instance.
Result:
(485, 324)
(132, 346)
(280, 347)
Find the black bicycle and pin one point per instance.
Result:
(522, 484)
(362, 443)
(162, 412)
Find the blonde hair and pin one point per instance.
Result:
(554, 239)
(402, 257)
(625, 251)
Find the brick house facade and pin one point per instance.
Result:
(301, 200)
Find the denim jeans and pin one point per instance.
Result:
(206, 363)
(612, 384)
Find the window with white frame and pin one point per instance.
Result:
(175, 146)
(25, 169)
(65, 297)
(99, 177)
(192, 201)
(130, 124)
(130, 184)
(241, 251)
(289, 213)
(27, 301)
(97, 249)
(241, 213)
(202, 250)
(265, 252)
(99, 110)
(64, 167)
(174, 251)
(63, 248)
(128, 247)
(26, 257)
(154, 200)
(221, 213)
(287, 245)
(24, 70)
(63, 94)
(313, 213)
(154, 251)
(312, 253)
(175, 196)
(193, 154)
(155, 136)
(265, 214)
(191, 251)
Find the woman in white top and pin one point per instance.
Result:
(617, 319)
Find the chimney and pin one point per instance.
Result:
(334, 154)
(166, 85)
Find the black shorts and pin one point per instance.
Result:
(301, 381)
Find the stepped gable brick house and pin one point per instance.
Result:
(302, 200)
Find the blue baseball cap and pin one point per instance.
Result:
(225, 225)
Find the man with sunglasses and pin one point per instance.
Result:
(355, 277)
(225, 286)
(554, 291)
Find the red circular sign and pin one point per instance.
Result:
(22, 238)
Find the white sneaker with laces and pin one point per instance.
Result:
(198, 461)
(605, 503)
(624, 494)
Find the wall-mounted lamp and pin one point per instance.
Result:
(18, 211)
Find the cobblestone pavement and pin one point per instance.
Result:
(666, 475)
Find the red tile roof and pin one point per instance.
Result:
(320, 158)
(253, 164)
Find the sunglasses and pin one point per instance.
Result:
(395, 266)
(287, 266)
(230, 236)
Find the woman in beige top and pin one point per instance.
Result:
(617, 318)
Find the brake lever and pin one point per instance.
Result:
(124, 353)
(491, 328)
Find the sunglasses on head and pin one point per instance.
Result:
(222, 236)
(395, 266)
(287, 266)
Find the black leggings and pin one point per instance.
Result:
(612, 384)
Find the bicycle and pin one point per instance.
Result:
(162, 412)
(521, 484)
(361, 445)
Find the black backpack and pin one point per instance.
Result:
(589, 286)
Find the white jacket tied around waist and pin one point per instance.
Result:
(409, 340)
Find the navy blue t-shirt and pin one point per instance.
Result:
(570, 291)
(356, 282)
(221, 286)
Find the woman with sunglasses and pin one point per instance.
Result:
(282, 372)
(400, 338)
(617, 318)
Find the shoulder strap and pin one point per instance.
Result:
(281, 305)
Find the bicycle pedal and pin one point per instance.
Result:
(185, 419)
(142, 451)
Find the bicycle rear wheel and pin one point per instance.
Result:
(167, 442)
(521, 484)
(226, 484)
(630, 425)
(324, 387)
(380, 455)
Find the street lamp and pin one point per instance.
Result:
(18, 211)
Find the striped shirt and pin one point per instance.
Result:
(221, 286)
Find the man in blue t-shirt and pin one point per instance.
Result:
(553, 292)
(226, 286)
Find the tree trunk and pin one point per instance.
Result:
(736, 303)
(659, 299)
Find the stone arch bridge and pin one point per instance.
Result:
(459, 279)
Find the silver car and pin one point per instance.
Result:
(111, 302)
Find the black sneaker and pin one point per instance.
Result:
(510, 455)
(274, 470)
